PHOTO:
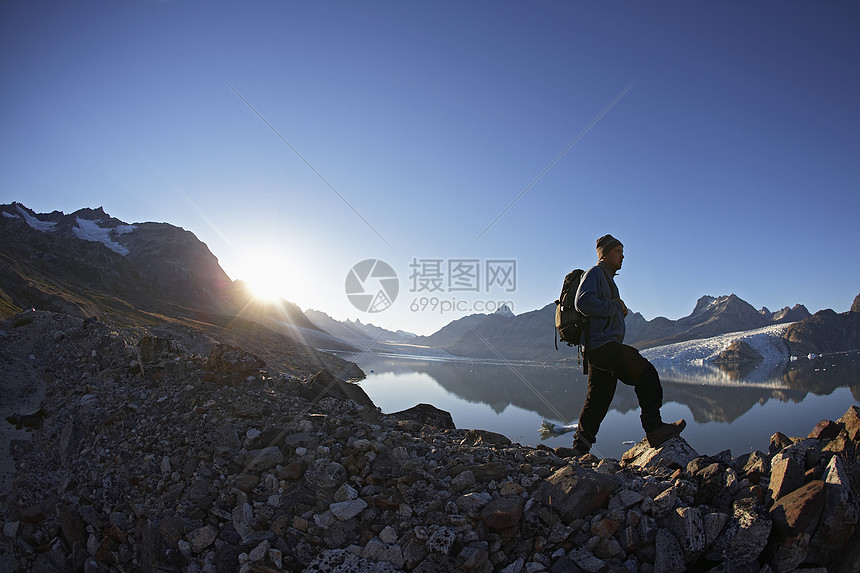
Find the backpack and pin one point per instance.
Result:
(569, 322)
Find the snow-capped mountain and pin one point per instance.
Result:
(88, 263)
(712, 316)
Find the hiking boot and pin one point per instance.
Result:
(580, 448)
(665, 432)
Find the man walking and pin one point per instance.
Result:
(610, 360)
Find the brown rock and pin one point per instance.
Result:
(840, 516)
(851, 421)
(779, 441)
(800, 510)
(786, 475)
(293, 471)
(825, 430)
(576, 492)
(605, 528)
(503, 513)
(483, 437)
(229, 359)
(490, 471)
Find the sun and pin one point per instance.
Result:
(269, 277)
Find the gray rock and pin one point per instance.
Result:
(243, 519)
(713, 524)
(463, 481)
(675, 453)
(263, 459)
(665, 503)
(442, 540)
(200, 539)
(688, 527)
(326, 475)
(344, 510)
(746, 536)
(378, 550)
(586, 560)
(473, 502)
(670, 557)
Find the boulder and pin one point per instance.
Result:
(576, 492)
(839, 517)
(675, 453)
(746, 536)
(426, 415)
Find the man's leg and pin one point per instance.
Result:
(633, 369)
(601, 390)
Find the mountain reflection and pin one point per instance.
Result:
(713, 393)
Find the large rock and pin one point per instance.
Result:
(839, 517)
(746, 536)
(795, 517)
(675, 453)
(503, 513)
(786, 475)
(576, 492)
(426, 415)
(324, 383)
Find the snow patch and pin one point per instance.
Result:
(10, 215)
(36, 223)
(90, 231)
(124, 229)
(766, 341)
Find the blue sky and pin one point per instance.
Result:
(731, 163)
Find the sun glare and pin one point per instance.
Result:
(270, 278)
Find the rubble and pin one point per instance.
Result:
(150, 458)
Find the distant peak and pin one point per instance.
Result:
(504, 310)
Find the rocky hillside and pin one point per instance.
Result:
(90, 264)
(825, 332)
(144, 456)
(90, 255)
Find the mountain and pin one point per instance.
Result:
(479, 336)
(355, 332)
(711, 317)
(88, 263)
(529, 336)
(825, 332)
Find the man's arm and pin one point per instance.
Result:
(588, 299)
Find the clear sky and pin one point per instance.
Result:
(720, 141)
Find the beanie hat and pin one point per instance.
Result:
(605, 244)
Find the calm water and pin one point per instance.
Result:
(735, 408)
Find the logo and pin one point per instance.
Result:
(372, 285)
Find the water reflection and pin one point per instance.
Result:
(713, 393)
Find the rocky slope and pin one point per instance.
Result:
(825, 332)
(144, 456)
(88, 263)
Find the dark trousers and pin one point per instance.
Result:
(608, 364)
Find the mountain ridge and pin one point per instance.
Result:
(88, 263)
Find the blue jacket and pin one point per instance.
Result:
(597, 298)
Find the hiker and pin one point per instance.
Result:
(609, 360)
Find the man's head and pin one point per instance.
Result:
(611, 251)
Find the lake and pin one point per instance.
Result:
(737, 407)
